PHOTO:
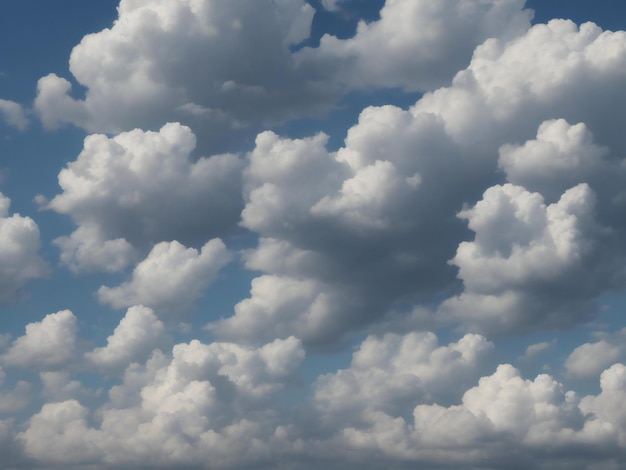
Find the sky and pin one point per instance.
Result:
(301, 234)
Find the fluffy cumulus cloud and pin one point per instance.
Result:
(393, 373)
(561, 156)
(537, 420)
(12, 399)
(416, 44)
(140, 187)
(48, 344)
(317, 234)
(85, 250)
(521, 247)
(604, 408)
(279, 306)
(20, 261)
(399, 402)
(378, 226)
(59, 386)
(174, 59)
(491, 206)
(535, 350)
(137, 335)
(203, 402)
(171, 277)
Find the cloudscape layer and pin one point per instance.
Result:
(303, 234)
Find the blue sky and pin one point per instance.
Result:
(293, 234)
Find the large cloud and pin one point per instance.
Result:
(523, 255)
(391, 407)
(174, 59)
(416, 44)
(375, 222)
(139, 188)
(204, 402)
(317, 234)
(537, 421)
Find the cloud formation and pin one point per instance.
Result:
(20, 261)
(13, 114)
(171, 277)
(48, 344)
(391, 278)
(137, 335)
(416, 45)
(521, 247)
(589, 359)
(204, 400)
(392, 191)
(174, 59)
(143, 187)
(163, 61)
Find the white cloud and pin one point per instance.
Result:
(171, 277)
(315, 235)
(531, 410)
(606, 410)
(388, 241)
(84, 250)
(59, 386)
(59, 431)
(277, 181)
(416, 44)
(12, 399)
(48, 344)
(174, 58)
(367, 198)
(536, 349)
(561, 156)
(503, 415)
(279, 307)
(136, 336)
(393, 373)
(140, 188)
(554, 70)
(19, 258)
(203, 401)
(213, 400)
(522, 246)
(492, 205)
(13, 114)
(590, 359)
